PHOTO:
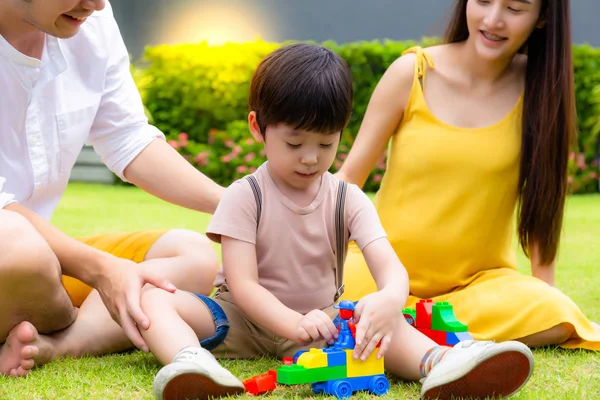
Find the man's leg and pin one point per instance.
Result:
(188, 260)
(30, 290)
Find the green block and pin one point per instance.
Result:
(297, 374)
(410, 311)
(443, 318)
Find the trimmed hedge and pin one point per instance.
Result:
(202, 90)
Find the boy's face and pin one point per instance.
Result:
(298, 158)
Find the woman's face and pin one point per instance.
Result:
(499, 28)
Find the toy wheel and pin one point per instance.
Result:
(341, 389)
(410, 320)
(379, 385)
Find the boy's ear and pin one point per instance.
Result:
(254, 128)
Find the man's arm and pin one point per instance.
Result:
(118, 281)
(174, 180)
(127, 143)
(241, 272)
(543, 272)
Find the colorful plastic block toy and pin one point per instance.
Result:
(437, 321)
(260, 384)
(333, 370)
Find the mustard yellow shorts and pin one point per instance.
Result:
(131, 246)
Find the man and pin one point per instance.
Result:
(64, 81)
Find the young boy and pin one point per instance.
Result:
(281, 261)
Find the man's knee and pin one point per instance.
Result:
(25, 254)
(194, 250)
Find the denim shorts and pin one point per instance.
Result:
(221, 323)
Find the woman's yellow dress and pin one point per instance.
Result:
(447, 203)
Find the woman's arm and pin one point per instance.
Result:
(384, 113)
(540, 271)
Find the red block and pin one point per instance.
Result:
(437, 336)
(424, 308)
(260, 384)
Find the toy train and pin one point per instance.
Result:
(335, 372)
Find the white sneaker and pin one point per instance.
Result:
(194, 373)
(479, 369)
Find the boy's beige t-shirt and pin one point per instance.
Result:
(295, 246)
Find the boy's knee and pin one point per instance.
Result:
(25, 254)
(153, 298)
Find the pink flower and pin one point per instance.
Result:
(242, 169)
(595, 163)
(252, 170)
(593, 175)
(571, 156)
(183, 141)
(229, 143)
(342, 156)
(227, 158)
(377, 178)
(211, 135)
(250, 141)
(174, 144)
(581, 161)
(202, 158)
(249, 157)
(262, 152)
(338, 164)
(237, 150)
(570, 180)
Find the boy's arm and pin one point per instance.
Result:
(241, 273)
(366, 229)
(387, 270)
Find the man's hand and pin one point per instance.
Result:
(315, 326)
(120, 289)
(376, 316)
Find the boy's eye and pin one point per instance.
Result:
(293, 146)
(326, 146)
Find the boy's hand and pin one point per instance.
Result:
(376, 316)
(315, 326)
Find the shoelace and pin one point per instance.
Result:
(187, 354)
(471, 343)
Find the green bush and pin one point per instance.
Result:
(202, 90)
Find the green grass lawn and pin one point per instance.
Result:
(91, 209)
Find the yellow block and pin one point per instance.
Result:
(314, 358)
(371, 366)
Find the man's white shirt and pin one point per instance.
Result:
(80, 92)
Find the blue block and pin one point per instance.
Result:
(335, 357)
(453, 338)
(343, 388)
(298, 354)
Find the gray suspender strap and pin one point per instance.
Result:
(341, 237)
(340, 223)
(257, 196)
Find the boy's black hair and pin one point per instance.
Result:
(304, 86)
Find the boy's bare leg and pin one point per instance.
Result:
(406, 352)
(184, 321)
(190, 263)
(30, 289)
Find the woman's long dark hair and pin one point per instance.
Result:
(549, 122)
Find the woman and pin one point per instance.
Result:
(478, 126)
